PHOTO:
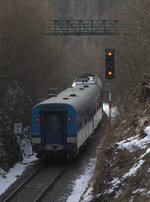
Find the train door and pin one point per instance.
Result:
(53, 125)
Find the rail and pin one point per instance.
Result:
(18, 189)
(51, 184)
(41, 193)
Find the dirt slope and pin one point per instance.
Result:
(123, 167)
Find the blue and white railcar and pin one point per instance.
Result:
(62, 124)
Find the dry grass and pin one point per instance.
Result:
(104, 151)
(114, 163)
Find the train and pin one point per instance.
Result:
(62, 124)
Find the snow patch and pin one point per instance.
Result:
(141, 190)
(25, 146)
(134, 169)
(6, 179)
(106, 109)
(147, 130)
(115, 183)
(131, 144)
(81, 184)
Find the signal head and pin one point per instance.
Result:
(110, 73)
(109, 53)
(109, 63)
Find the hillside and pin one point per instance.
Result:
(123, 167)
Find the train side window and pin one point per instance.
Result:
(79, 122)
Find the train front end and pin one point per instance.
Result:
(53, 131)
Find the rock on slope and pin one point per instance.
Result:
(123, 167)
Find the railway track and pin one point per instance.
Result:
(36, 186)
(51, 184)
(18, 189)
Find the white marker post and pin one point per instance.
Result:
(109, 119)
(17, 128)
(109, 88)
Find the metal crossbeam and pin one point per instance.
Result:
(82, 27)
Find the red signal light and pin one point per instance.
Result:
(37, 120)
(69, 118)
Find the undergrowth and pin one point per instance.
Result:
(113, 163)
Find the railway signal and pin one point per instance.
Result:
(110, 63)
(109, 74)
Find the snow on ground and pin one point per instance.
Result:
(6, 179)
(106, 109)
(131, 144)
(81, 184)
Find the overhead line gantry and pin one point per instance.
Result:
(81, 27)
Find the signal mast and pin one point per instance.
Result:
(109, 75)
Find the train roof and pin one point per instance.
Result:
(76, 96)
(87, 79)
